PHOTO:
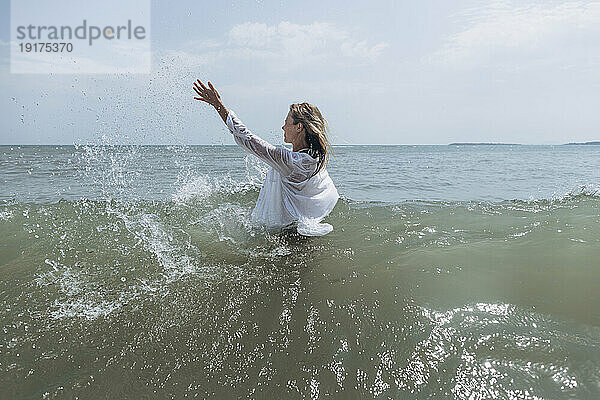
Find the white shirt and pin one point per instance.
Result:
(288, 197)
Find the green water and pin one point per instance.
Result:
(110, 293)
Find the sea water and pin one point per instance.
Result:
(467, 272)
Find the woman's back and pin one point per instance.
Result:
(292, 193)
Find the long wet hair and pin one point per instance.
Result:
(315, 128)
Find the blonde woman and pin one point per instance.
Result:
(297, 192)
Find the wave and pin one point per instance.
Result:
(179, 235)
(205, 227)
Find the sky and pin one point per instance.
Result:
(381, 72)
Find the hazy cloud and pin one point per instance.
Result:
(507, 33)
(296, 44)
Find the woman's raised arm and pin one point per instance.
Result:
(281, 159)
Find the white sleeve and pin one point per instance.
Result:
(279, 158)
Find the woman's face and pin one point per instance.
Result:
(290, 130)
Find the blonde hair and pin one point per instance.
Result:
(315, 128)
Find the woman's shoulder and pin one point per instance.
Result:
(308, 154)
(304, 166)
(305, 161)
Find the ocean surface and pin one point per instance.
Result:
(452, 272)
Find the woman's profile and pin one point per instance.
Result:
(297, 192)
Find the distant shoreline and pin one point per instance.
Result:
(484, 144)
(596, 143)
(583, 143)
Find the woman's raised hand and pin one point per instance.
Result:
(211, 96)
(207, 94)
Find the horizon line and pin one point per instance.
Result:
(335, 145)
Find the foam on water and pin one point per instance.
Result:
(201, 187)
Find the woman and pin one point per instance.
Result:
(297, 192)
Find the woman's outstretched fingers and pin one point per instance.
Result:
(201, 84)
(213, 88)
(207, 94)
(198, 87)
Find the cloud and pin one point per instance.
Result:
(280, 48)
(286, 36)
(361, 49)
(506, 32)
(297, 45)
